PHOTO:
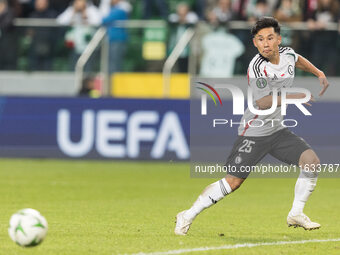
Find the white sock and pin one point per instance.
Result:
(304, 187)
(210, 195)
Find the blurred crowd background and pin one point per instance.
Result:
(222, 44)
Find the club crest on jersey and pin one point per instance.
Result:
(261, 83)
(290, 69)
(238, 160)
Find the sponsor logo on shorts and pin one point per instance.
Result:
(238, 160)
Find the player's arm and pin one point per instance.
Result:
(303, 64)
(267, 101)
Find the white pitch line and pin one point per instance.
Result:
(235, 246)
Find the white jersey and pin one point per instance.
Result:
(263, 76)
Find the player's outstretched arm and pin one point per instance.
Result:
(267, 101)
(303, 64)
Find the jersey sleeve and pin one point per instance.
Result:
(257, 80)
(291, 52)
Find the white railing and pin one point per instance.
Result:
(33, 22)
(95, 42)
(173, 57)
(85, 56)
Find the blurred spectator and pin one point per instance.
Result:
(59, 5)
(288, 11)
(199, 7)
(214, 21)
(117, 36)
(239, 9)
(257, 9)
(324, 42)
(42, 38)
(15, 6)
(105, 6)
(148, 6)
(42, 10)
(26, 8)
(223, 11)
(242, 9)
(7, 38)
(219, 60)
(89, 88)
(82, 15)
(180, 21)
(274, 4)
(327, 11)
(183, 15)
(309, 7)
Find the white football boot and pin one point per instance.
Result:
(182, 224)
(303, 221)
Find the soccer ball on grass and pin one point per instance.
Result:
(27, 227)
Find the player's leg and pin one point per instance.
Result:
(214, 193)
(292, 149)
(221, 188)
(209, 196)
(304, 187)
(306, 182)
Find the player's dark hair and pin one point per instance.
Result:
(265, 22)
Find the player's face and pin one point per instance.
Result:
(267, 42)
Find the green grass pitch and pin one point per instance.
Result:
(96, 207)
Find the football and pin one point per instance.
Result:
(27, 227)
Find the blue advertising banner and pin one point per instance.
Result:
(94, 128)
(136, 129)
